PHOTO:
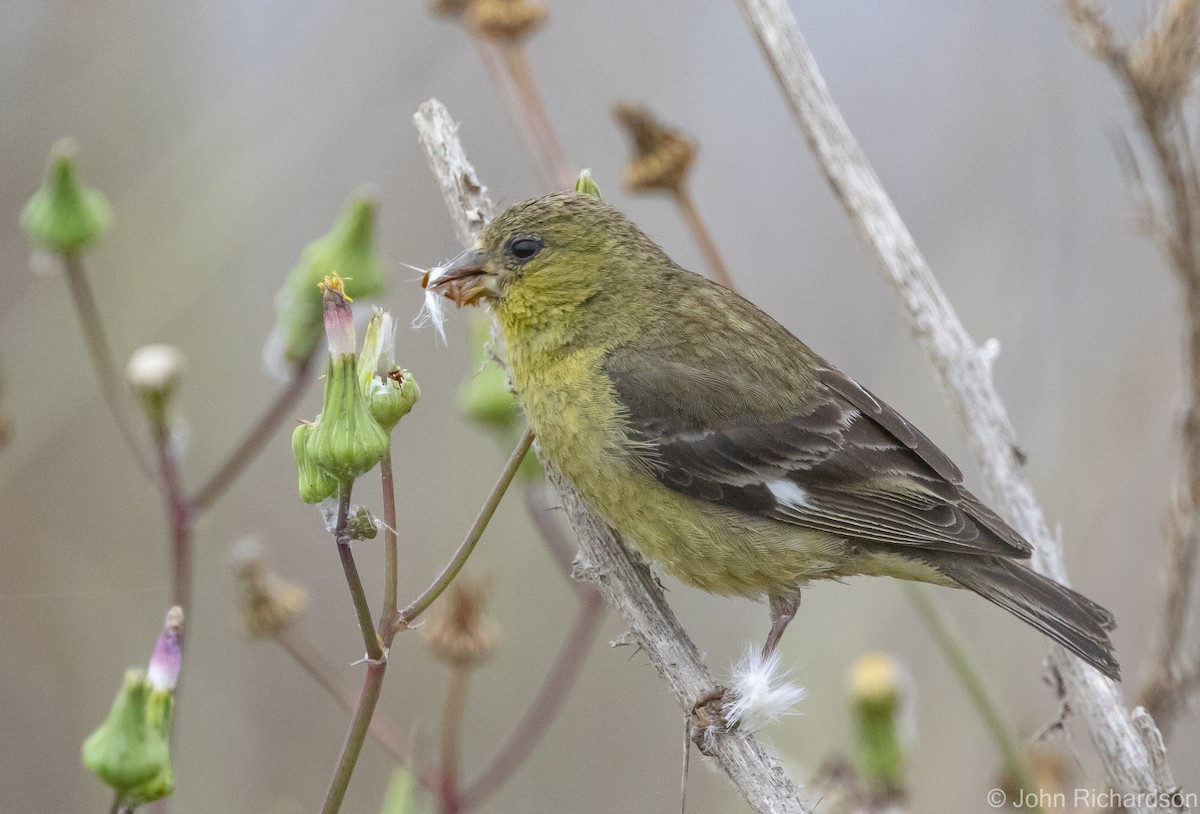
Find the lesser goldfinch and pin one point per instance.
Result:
(720, 444)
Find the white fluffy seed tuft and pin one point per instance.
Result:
(434, 309)
(760, 693)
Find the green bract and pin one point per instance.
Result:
(587, 185)
(315, 484)
(63, 216)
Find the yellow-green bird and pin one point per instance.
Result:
(720, 444)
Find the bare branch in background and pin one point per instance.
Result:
(1131, 763)
(1158, 70)
(623, 579)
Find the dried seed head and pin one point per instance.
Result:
(449, 8)
(1164, 60)
(461, 633)
(661, 156)
(506, 21)
(266, 601)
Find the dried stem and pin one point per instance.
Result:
(418, 606)
(257, 437)
(622, 578)
(682, 196)
(102, 361)
(1156, 73)
(452, 713)
(965, 372)
(544, 707)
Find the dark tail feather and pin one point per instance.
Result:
(1067, 617)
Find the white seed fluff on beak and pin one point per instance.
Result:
(434, 309)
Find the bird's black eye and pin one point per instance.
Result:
(522, 249)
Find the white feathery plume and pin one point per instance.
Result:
(760, 693)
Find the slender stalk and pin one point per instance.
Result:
(531, 113)
(257, 437)
(341, 534)
(419, 605)
(452, 713)
(544, 707)
(312, 662)
(101, 354)
(387, 627)
(703, 237)
(956, 653)
(359, 726)
(180, 517)
(116, 804)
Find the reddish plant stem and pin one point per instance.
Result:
(387, 627)
(101, 354)
(703, 237)
(531, 114)
(544, 707)
(452, 713)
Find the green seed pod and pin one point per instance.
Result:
(160, 709)
(64, 216)
(315, 483)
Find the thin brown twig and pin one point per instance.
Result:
(1156, 79)
(544, 707)
(682, 196)
(101, 354)
(180, 517)
(256, 437)
(452, 713)
(532, 112)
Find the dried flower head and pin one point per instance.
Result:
(661, 156)
(449, 8)
(506, 21)
(1164, 60)
(266, 601)
(461, 633)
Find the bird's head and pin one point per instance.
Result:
(541, 260)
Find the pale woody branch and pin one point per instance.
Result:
(1134, 764)
(626, 583)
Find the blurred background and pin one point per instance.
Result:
(228, 135)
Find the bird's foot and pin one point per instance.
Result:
(708, 714)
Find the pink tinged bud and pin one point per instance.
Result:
(339, 320)
(163, 672)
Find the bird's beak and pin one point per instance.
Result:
(467, 279)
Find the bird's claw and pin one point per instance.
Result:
(708, 713)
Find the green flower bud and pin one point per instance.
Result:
(63, 216)
(346, 441)
(877, 693)
(315, 483)
(347, 251)
(390, 391)
(587, 185)
(128, 750)
(485, 398)
(153, 372)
